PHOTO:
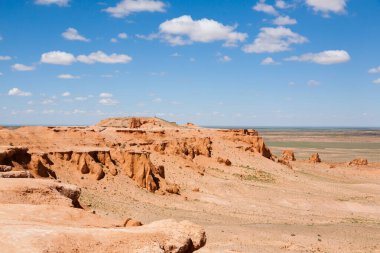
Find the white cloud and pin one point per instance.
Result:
(73, 34)
(122, 36)
(5, 58)
(113, 40)
(58, 58)
(1, 73)
(281, 4)
(268, 61)
(126, 7)
(63, 58)
(284, 20)
(18, 92)
(105, 95)
(272, 40)
(1, 38)
(175, 55)
(66, 94)
(184, 30)
(225, 58)
(101, 57)
(326, 6)
(325, 57)
(377, 81)
(49, 2)
(68, 76)
(22, 67)
(374, 70)
(149, 36)
(108, 101)
(312, 83)
(263, 7)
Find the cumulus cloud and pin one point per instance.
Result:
(325, 57)
(126, 7)
(68, 76)
(58, 58)
(105, 95)
(266, 8)
(101, 57)
(377, 81)
(327, 6)
(18, 92)
(284, 20)
(63, 58)
(5, 58)
(108, 101)
(50, 2)
(22, 67)
(122, 36)
(272, 40)
(184, 30)
(66, 94)
(268, 61)
(281, 4)
(374, 70)
(73, 34)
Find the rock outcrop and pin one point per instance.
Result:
(249, 138)
(314, 158)
(288, 155)
(359, 162)
(38, 215)
(96, 163)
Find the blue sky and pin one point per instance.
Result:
(215, 62)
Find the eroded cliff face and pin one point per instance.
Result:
(97, 163)
(118, 146)
(250, 140)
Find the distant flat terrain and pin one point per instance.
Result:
(335, 145)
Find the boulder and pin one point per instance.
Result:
(132, 223)
(314, 158)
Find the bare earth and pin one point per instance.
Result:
(226, 181)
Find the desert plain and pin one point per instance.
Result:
(148, 185)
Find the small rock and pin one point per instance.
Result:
(132, 223)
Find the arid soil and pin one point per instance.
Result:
(226, 181)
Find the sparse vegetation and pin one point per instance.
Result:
(257, 175)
